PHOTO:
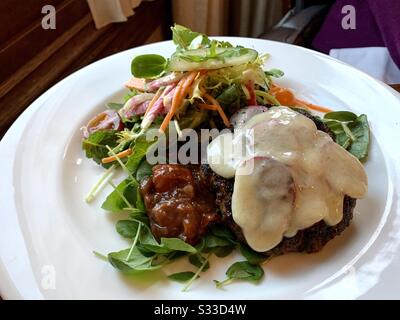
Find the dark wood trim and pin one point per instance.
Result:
(396, 87)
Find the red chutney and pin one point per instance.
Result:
(177, 202)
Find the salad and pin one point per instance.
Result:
(202, 85)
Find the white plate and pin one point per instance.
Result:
(47, 231)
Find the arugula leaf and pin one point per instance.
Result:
(230, 95)
(351, 132)
(147, 238)
(201, 245)
(176, 244)
(186, 39)
(276, 73)
(122, 197)
(345, 116)
(223, 232)
(144, 170)
(245, 270)
(148, 65)
(139, 201)
(95, 145)
(197, 260)
(141, 145)
(167, 245)
(252, 256)
(242, 270)
(212, 241)
(183, 37)
(156, 248)
(360, 130)
(222, 252)
(182, 276)
(137, 261)
(127, 228)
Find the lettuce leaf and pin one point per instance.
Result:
(95, 145)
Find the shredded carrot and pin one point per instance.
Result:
(287, 98)
(313, 106)
(120, 155)
(181, 91)
(153, 101)
(219, 109)
(253, 100)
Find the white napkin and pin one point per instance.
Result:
(376, 61)
(108, 11)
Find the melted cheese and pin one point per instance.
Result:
(288, 175)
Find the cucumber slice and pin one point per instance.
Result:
(202, 58)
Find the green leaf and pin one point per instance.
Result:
(182, 276)
(167, 245)
(147, 238)
(351, 132)
(136, 262)
(197, 260)
(343, 116)
(144, 170)
(139, 201)
(245, 270)
(127, 228)
(130, 94)
(114, 106)
(230, 95)
(276, 73)
(200, 246)
(360, 130)
(242, 270)
(115, 202)
(156, 248)
(222, 252)
(148, 65)
(183, 37)
(140, 147)
(177, 244)
(220, 240)
(213, 241)
(223, 232)
(252, 256)
(95, 145)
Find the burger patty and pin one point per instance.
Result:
(311, 239)
(308, 240)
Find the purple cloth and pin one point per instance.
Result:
(377, 25)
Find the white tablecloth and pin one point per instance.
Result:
(375, 61)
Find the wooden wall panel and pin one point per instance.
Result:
(19, 14)
(35, 59)
(28, 43)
